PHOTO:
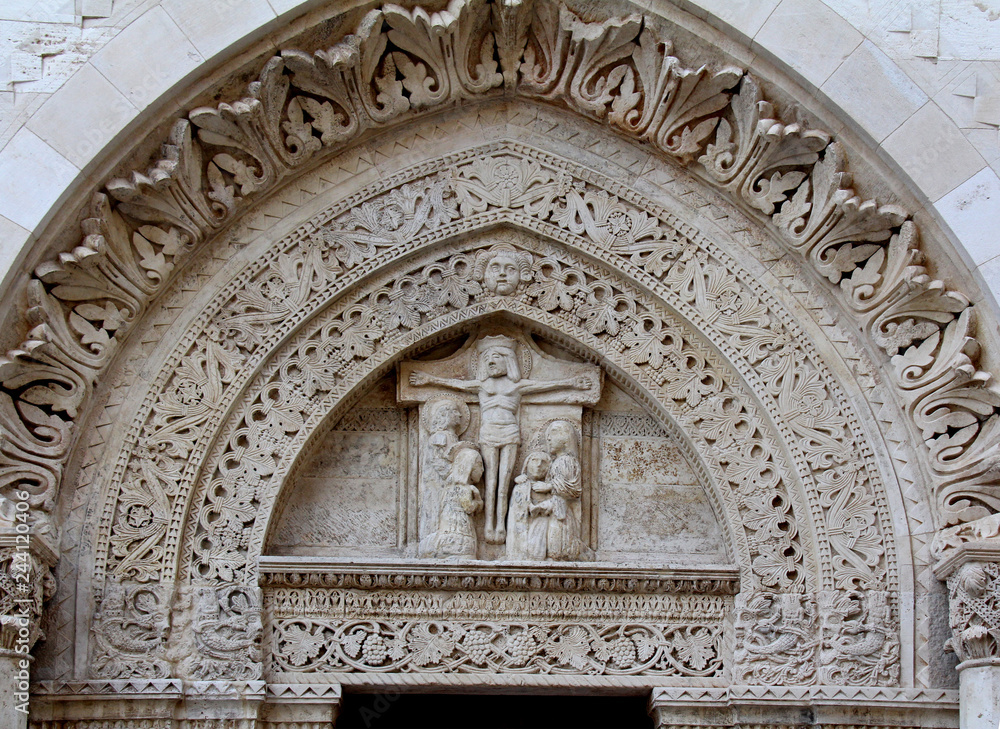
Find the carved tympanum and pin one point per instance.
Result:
(512, 384)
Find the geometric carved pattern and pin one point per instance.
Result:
(349, 340)
(818, 627)
(218, 160)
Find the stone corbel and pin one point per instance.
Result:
(971, 569)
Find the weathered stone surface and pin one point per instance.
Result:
(542, 358)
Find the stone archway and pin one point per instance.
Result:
(832, 422)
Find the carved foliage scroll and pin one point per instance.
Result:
(590, 300)
(402, 62)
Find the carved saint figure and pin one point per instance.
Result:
(502, 268)
(562, 507)
(524, 542)
(456, 534)
(544, 518)
(445, 418)
(500, 390)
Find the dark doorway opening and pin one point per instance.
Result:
(478, 711)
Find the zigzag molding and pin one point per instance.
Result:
(218, 161)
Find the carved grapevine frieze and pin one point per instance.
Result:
(307, 645)
(401, 62)
(412, 630)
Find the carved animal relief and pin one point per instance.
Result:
(489, 415)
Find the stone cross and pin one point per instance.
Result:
(518, 389)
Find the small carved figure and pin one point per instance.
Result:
(499, 391)
(562, 539)
(456, 534)
(502, 269)
(444, 419)
(524, 539)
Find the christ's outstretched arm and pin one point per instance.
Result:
(419, 379)
(577, 383)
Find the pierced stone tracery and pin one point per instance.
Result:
(553, 247)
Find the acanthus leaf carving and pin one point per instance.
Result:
(446, 55)
(673, 107)
(762, 159)
(171, 190)
(244, 147)
(574, 60)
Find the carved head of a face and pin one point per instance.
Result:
(502, 274)
(446, 417)
(559, 437)
(496, 362)
(536, 466)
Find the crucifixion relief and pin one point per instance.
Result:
(519, 390)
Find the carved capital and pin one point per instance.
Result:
(972, 571)
(26, 582)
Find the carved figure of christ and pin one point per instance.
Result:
(499, 390)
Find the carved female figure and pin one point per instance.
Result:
(456, 534)
(500, 389)
(562, 540)
(524, 539)
(446, 418)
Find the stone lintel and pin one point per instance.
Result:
(477, 574)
